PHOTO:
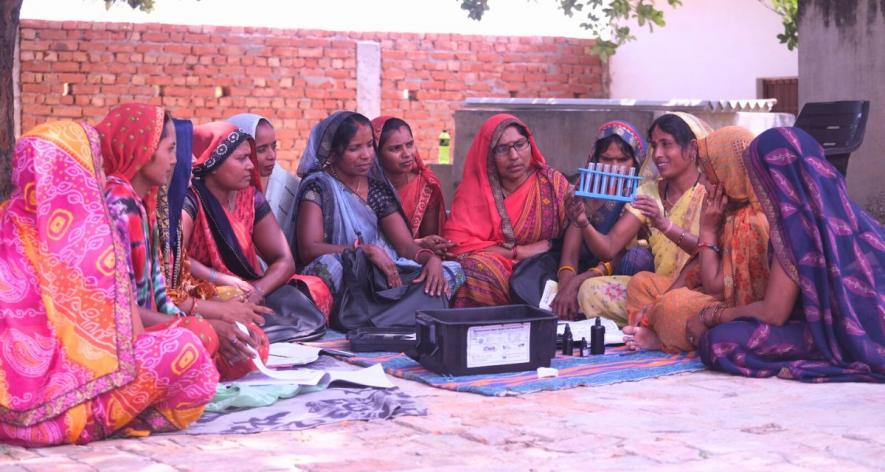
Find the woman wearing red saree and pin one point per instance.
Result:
(508, 207)
(77, 365)
(417, 187)
(227, 225)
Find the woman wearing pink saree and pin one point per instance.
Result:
(76, 364)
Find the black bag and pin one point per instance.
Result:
(366, 299)
(529, 277)
(295, 317)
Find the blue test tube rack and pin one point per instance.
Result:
(606, 182)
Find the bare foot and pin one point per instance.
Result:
(637, 338)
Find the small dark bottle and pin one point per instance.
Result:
(585, 348)
(597, 338)
(568, 342)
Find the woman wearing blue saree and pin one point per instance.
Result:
(345, 202)
(823, 314)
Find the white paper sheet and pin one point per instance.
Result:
(373, 376)
(288, 354)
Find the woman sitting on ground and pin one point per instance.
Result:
(280, 187)
(79, 365)
(668, 208)
(822, 315)
(417, 187)
(227, 225)
(345, 201)
(508, 207)
(732, 252)
(618, 144)
(195, 296)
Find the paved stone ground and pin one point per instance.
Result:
(698, 421)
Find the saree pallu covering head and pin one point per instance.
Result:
(71, 371)
(478, 219)
(130, 134)
(629, 133)
(699, 128)
(833, 250)
(482, 217)
(421, 193)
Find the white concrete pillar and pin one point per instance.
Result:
(368, 78)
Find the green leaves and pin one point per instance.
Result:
(143, 5)
(607, 20)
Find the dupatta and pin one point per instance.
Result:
(479, 218)
(417, 195)
(831, 247)
(744, 236)
(66, 300)
(222, 238)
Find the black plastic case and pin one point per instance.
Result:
(468, 341)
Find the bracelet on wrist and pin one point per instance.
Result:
(715, 248)
(567, 267)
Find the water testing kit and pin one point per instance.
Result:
(487, 340)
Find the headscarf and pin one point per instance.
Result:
(626, 131)
(828, 245)
(214, 241)
(130, 135)
(744, 236)
(311, 168)
(432, 181)
(66, 303)
(699, 128)
(248, 122)
(171, 201)
(477, 218)
(216, 141)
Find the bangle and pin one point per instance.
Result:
(194, 308)
(689, 336)
(609, 268)
(669, 227)
(582, 226)
(190, 311)
(420, 251)
(513, 252)
(258, 289)
(681, 237)
(212, 277)
(567, 267)
(715, 248)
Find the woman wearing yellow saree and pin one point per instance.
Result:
(733, 253)
(667, 207)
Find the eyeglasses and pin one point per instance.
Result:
(504, 149)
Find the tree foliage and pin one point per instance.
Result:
(609, 20)
(143, 5)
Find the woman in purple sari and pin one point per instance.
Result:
(823, 315)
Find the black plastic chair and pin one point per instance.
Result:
(838, 126)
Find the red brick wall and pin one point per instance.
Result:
(294, 77)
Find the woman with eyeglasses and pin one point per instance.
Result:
(509, 206)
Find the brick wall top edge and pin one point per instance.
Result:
(265, 31)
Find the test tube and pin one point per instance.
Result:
(620, 190)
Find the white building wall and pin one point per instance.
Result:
(709, 49)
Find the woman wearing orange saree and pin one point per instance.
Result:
(733, 271)
(417, 187)
(508, 207)
(79, 366)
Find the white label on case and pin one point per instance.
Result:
(502, 344)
